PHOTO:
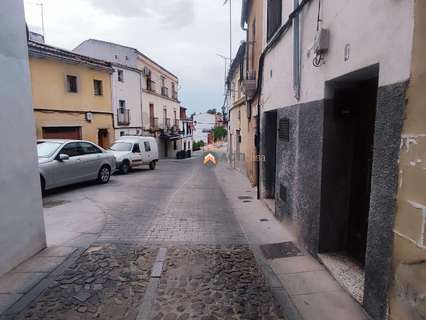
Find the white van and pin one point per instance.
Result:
(131, 152)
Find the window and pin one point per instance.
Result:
(72, 84)
(89, 148)
(122, 104)
(122, 133)
(136, 148)
(72, 149)
(97, 85)
(274, 17)
(174, 145)
(163, 81)
(120, 74)
(147, 146)
(116, 57)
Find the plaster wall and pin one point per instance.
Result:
(362, 25)
(407, 299)
(48, 78)
(130, 91)
(89, 130)
(22, 231)
(160, 103)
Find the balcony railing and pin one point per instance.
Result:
(176, 123)
(123, 117)
(174, 95)
(167, 123)
(154, 123)
(249, 85)
(165, 91)
(150, 85)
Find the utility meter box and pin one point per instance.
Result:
(322, 41)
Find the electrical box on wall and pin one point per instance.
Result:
(322, 41)
(89, 116)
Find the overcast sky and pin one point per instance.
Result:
(182, 35)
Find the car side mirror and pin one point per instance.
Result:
(63, 157)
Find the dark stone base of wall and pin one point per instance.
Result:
(298, 185)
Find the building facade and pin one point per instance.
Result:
(150, 99)
(253, 22)
(336, 104)
(237, 112)
(204, 123)
(186, 130)
(22, 231)
(71, 95)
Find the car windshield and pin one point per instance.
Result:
(121, 146)
(47, 149)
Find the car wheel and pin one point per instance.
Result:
(42, 185)
(104, 175)
(125, 167)
(152, 165)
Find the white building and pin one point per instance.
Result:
(21, 217)
(145, 94)
(203, 125)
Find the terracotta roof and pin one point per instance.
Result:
(37, 49)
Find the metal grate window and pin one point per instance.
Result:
(284, 129)
(283, 193)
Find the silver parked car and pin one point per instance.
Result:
(64, 162)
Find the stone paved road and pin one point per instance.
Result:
(209, 271)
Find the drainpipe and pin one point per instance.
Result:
(141, 91)
(296, 53)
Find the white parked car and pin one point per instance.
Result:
(131, 152)
(64, 162)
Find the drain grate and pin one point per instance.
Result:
(280, 250)
(263, 220)
(245, 197)
(246, 201)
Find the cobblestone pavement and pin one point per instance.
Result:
(213, 282)
(209, 271)
(106, 282)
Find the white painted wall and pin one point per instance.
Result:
(130, 91)
(203, 122)
(21, 217)
(378, 31)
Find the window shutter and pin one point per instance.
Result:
(274, 17)
(284, 129)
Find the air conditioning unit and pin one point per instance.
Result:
(146, 72)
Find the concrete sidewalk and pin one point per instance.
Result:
(303, 286)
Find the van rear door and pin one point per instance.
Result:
(147, 154)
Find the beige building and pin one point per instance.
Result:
(71, 95)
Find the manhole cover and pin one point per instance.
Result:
(263, 220)
(280, 250)
(54, 203)
(245, 197)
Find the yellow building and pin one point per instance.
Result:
(71, 95)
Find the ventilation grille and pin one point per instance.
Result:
(284, 129)
(283, 193)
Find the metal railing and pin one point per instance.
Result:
(123, 117)
(174, 95)
(153, 122)
(165, 91)
(150, 85)
(167, 123)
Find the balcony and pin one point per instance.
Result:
(249, 85)
(123, 117)
(174, 95)
(165, 91)
(150, 85)
(176, 123)
(153, 123)
(167, 123)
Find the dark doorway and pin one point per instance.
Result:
(347, 164)
(103, 138)
(270, 151)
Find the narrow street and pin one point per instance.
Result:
(165, 245)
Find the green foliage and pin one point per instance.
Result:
(197, 145)
(219, 133)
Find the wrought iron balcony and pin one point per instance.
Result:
(123, 117)
(167, 123)
(174, 95)
(150, 85)
(154, 123)
(249, 85)
(165, 91)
